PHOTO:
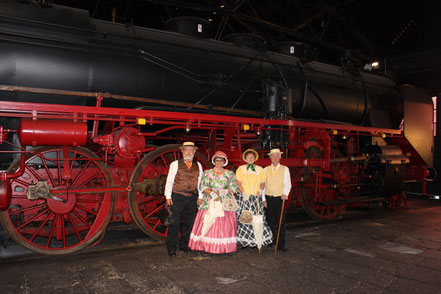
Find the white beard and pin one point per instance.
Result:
(189, 158)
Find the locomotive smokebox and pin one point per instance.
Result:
(43, 132)
(5, 194)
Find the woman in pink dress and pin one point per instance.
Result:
(217, 185)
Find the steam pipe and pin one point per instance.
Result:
(6, 176)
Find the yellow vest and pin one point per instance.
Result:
(274, 180)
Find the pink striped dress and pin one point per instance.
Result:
(222, 235)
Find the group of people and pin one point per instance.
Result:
(217, 209)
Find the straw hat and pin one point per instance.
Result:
(250, 150)
(221, 155)
(275, 151)
(188, 144)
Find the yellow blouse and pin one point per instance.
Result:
(250, 180)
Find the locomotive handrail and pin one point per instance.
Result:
(174, 103)
(85, 113)
(89, 110)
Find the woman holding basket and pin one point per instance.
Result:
(215, 226)
(252, 228)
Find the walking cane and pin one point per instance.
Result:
(280, 224)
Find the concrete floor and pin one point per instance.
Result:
(370, 251)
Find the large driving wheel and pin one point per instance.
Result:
(321, 200)
(145, 206)
(395, 201)
(67, 222)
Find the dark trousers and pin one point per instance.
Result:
(273, 212)
(184, 208)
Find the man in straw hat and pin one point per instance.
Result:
(277, 188)
(182, 193)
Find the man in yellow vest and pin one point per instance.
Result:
(277, 188)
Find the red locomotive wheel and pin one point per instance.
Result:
(318, 203)
(395, 201)
(144, 207)
(68, 222)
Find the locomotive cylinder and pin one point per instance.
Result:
(52, 132)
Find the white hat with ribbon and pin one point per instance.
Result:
(275, 151)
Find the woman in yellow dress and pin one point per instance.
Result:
(251, 180)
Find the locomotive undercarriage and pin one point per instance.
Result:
(61, 198)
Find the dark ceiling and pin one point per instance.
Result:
(404, 35)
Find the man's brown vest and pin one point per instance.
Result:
(186, 180)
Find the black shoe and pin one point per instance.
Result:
(244, 247)
(171, 253)
(186, 249)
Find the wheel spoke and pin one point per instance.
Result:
(151, 199)
(21, 182)
(41, 226)
(51, 179)
(73, 159)
(20, 196)
(26, 209)
(151, 220)
(80, 173)
(154, 210)
(86, 210)
(90, 179)
(81, 218)
(155, 170)
(63, 230)
(164, 161)
(156, 224)
(32, 219)
(33, 173)
(74, 227)
(52, 231)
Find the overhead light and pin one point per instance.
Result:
(372, 65)
(221, 4)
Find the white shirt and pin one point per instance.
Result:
(286, 180)
(171, 179)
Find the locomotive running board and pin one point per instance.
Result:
(366, 199)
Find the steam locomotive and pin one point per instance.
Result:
(93, 112)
